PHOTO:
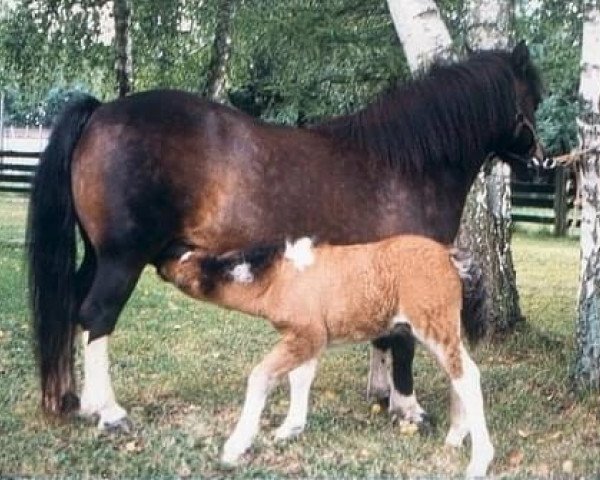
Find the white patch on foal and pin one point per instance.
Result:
(300, 252)
(242, 273)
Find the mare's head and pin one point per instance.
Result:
(523, 145)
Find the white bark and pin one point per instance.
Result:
(587, 367)
(487, 23)
(589, 86)
(421, 31)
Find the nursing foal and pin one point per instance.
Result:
(318, 296)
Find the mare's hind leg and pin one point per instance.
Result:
(113, 283)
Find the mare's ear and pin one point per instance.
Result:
(520, 57)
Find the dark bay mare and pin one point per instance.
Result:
(145, 173)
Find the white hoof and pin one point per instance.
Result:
(285, 431)
(478, 466)
(233, 449)
(113, 418)
(455, 438)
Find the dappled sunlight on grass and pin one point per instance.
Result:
(180, 368)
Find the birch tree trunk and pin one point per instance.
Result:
(221, 50)
(587, 365)
(486, 223)
(123, 64)
(421, 30)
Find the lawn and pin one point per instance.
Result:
(179, 367)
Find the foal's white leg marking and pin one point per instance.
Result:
(468, 389)
(300, 252)
(98, 396)
(300, 381)
(459, 426)
(377, 383)
(259, 384)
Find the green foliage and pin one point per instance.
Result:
(553, 30)
(556, 124)
(313, 59)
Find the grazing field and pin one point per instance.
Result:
(180, 366)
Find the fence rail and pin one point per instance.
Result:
(16, 176)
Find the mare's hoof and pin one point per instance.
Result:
(117, 427)
(427, 425)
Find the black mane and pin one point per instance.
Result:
(446, 117)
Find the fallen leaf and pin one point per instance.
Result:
(567, 467)
(515, 457)
(134, 446)
(523, 433)
(375, 409)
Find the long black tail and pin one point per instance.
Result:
(475, 308)
(52, 259)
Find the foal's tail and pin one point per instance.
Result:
(475, 307)
(52, 260)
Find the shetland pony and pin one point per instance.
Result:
(316, 297)
(143, 172)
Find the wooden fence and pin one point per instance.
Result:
(545, 204)
(16, 176)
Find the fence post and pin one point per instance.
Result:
(560, 202)
(1, 125)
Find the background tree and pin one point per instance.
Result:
(587, 367)
(486, 224)
(124, 62)
(217, 68)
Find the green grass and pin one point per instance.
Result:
(179, 367)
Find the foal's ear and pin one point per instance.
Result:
(520, 57)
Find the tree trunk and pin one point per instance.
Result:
(587, 365)
(421, 31)
(486, 224)
(221, 50)
(123, 66)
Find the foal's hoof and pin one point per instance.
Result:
(116, 427)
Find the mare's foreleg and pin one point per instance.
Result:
(402, 395)
(391, 374)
